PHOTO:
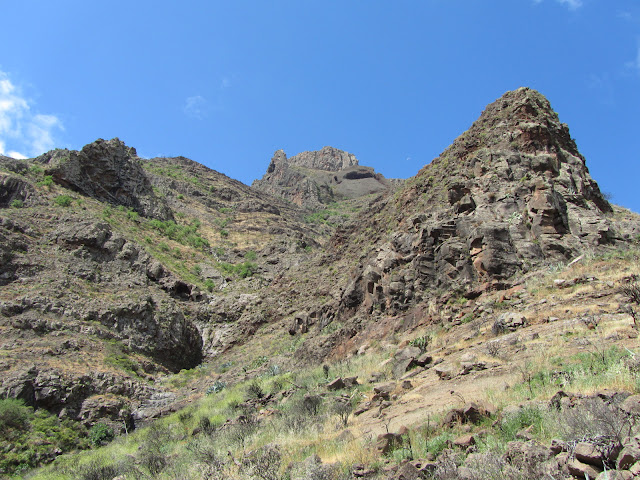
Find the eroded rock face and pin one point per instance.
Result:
(509, 194)
(314, 179)
(108, 171)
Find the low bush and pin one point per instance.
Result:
(63, 200)
(101, 434)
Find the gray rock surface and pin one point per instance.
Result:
(314, 179)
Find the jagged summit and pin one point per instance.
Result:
(328, 158)
(313, 179)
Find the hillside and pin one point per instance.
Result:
(325, 322)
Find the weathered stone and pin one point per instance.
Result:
(465, 441)
(387, 442)
(631, 405)
(581, 470)
(108, 171)
(424, 360)
(589, 453)
(445, 372)
(628, 456)
(312, 179)
(385, 388)
(615, 475)
(558, 446)
(401, 366)
(408, 472)
(336, 384)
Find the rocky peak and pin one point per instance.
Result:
(510, 194)
(329, 158)
(314, 179)
(109, 171)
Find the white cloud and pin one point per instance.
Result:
(195, 107)
(21, 128)
(571, 4)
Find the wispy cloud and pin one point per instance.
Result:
(195, 107)
(635, 63)
(571, 4)
(22, 130)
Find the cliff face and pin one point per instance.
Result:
(314, 179)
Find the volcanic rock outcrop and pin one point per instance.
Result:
(510, 194)
(108, 171)
(314, 179)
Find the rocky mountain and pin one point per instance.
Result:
(509, 196)
(314, 179)
(126, 284)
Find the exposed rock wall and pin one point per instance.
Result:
(108, 171)
(314, 179)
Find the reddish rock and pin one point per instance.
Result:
(465, 441)
(387, 442)
(589, 453)
(628, 456)
(336, 384)
(408, 471)
(631, 405)
(581, 470)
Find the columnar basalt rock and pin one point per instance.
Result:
(511, 193)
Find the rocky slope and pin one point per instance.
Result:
(314, 179)
(118, 272)
(109, 269)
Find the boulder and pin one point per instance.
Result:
(388, 441)
(581, 470)
(589, 453)
(629, 455)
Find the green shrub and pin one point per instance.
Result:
(250, 255)
(13, 415)
(132, 215)
(29, 438)
(101, 434)
(36, 170)
(17, 203)
(242, 270)
(209, 285)
(63, 200)
(47, 181)
(185, 234)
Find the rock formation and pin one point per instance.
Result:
(314, 179)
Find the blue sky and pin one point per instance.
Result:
(226, 83)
